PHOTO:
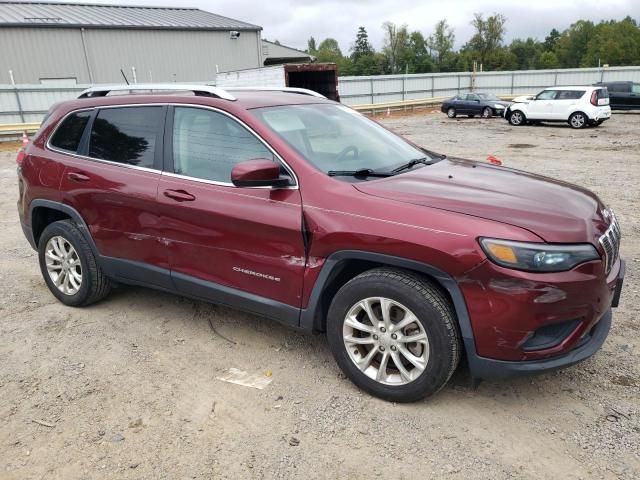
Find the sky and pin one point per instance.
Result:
(292, 22)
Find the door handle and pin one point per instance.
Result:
(179, 195)
(78, 177)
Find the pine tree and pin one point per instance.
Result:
(362, 46)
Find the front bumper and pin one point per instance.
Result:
(489, 368)
(578, 346)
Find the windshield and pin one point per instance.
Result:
(488, 96)
(335, 137)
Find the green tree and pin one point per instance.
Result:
(441, 44)
(329, 51)
(485, 44)
(312, 49)
(573, 43)
(548, 60)
(551, 40)
(396, 43)
(613, 43)
(361, 47)
(526, 53)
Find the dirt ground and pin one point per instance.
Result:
(127, 388)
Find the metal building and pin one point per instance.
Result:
(68, 43)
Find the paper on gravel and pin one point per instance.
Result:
(240, 377)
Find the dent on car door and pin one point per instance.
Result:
(249, 239)
(113, 181)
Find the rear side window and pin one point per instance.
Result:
(570, 94)
(618, 87)
(635, 88)
(68, 135)
(127, 135)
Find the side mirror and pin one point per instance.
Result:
(258, 173)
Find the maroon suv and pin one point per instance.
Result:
(300, 209)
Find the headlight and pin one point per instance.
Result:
(498, 106)
(537, 257)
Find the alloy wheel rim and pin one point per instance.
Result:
(486, 113)
(451, 112)
(516, 118)
(63, 265)
(577, 121)
(386, 341)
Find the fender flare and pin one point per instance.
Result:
(447, 282)
(68, 210)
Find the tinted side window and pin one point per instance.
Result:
(635, 88)
(67, 136)
(127, 135)
(207, 144)
(569, 94)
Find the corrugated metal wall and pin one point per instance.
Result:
(163, 55)
(395, 88)
(34, 100)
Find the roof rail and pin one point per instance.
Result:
(302, 91)
(103, 90)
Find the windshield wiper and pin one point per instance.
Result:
(362, 172)
(412, 163)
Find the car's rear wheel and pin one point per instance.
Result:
(486, 112)
(69, 266)
(578, 120)
(393, 333)
(451, 112)
(517, 118)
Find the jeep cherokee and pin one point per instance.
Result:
(299, 209)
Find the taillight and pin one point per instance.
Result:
(21, 156)
(594, 98)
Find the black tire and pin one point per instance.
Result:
(578, 120)
(451, 112)
(487, 112)
(471, 115)
(517, 118)
(94, 285)
(427, 303)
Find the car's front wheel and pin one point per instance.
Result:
(394, 334)
(451, 112)
(578, 120)
(517, 118)
(486, 112)
(69, 266)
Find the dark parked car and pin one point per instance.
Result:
(483, 104)
(623, 95)
(300, 209)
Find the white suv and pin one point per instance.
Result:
(579, 106)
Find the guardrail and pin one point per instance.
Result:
(18, 128)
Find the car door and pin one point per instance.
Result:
(634, 100)
(221, 236)
(112, 182)
(474, 105)
(541, 108)
(566, 103)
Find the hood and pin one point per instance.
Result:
(557, 212)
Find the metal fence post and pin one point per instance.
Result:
(17, 94)
(371, 84)
(513, 78)
(458, 84)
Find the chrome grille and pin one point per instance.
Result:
(610, 242)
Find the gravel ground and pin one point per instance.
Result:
(127, 388)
